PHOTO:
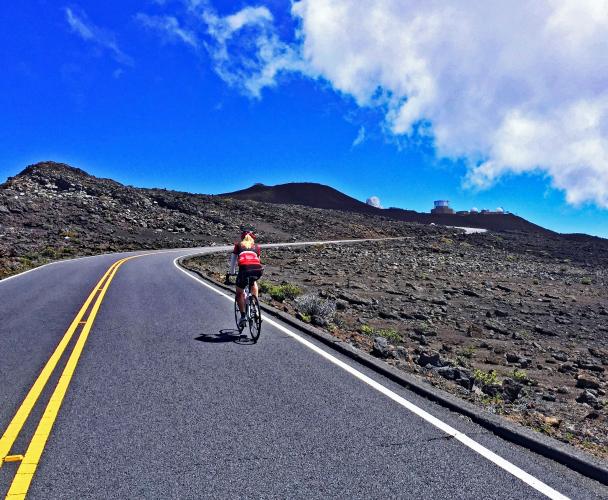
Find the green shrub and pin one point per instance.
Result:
(467, 352)
(492, 400)
(485, 378)
(367, 330)
(276, 292)
(305, 317)
(291, 291)
(389, 334)
(520, 375)
(49, 252)
(586, 281)
(280, 292)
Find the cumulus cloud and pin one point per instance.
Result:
(374, 201)
(80, 24)
(169, 27)
(507, 87)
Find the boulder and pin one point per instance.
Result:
(585, 382)
(511, 389)
(431, 359)
(380, 348)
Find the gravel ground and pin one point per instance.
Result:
(515, 325)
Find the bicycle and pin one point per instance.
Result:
(252, 312)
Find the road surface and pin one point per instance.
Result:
(156, 396)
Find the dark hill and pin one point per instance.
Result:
(310, 194)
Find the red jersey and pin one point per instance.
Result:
(247, 256)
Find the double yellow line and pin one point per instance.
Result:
(25, 473)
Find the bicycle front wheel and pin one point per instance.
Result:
(255, 318)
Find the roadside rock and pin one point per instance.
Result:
(380, 348)
(588, 397)
(511, 389)
(430, 360)
(458, 375)
(584, 382)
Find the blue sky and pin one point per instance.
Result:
(121, 96)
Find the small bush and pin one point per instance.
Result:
(305, 317)
(520, 375)
(276, 292)
(291, 291)
(586, 281)
(280, 292)
(467, 352)
(389, 334)
(485, 378)
(367, 330)
(313, 306)
(492, 400)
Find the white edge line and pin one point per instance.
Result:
(463, 438)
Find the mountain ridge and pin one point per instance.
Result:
(317, 195)
(51, 211)
(305, 194)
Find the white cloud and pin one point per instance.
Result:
(170, 27)
(508, 87)
(83, 27)
(360, 137)
(374, 201)
(246, 50)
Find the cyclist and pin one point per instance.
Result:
(246, 255)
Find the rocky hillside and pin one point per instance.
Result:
(51, 211)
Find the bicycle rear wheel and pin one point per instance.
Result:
(255, 318)
(237, 316)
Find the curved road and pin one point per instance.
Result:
(166, 402)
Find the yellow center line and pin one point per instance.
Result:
(27, 468)
(16, 424)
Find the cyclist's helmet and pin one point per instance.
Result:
(247, 230)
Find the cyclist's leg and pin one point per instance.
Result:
(240, 299)
(241, 283)
(257, 274)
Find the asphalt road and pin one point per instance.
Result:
(166, 401)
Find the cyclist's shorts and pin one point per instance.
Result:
(245, 272)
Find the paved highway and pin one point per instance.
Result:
(155, 396)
